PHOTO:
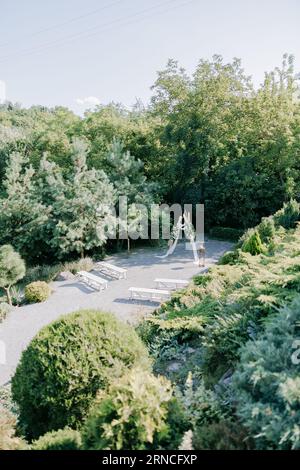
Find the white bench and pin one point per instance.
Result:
(150, 294)
(171, 283)
(111, 270)
(91, 280)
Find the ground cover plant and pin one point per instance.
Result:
(233, 329)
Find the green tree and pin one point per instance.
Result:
(82, 214)
(22, 215)
(126, 173)
(12, 269)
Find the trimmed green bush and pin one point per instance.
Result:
(63, 439)
(266, 385)
(67, 363)
(133, 415)
(38, 291)
(253, 244)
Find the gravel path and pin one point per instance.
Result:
(143, 265)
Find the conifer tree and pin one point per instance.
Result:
(12, 269)
(82, 211)
(21, 213)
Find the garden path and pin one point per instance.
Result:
(143, 266)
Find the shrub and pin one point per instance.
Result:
(226, 233)
(12, 269)
(67, 363)
(223, 435)
(63, 439)
(222, 342)
(41, 273)
(38, 291)
(132, 414)
(266, 229)
(4, 310)
(266, 384)
(230, 257)
(201, 405)
(83, 264)
(17, 295)
(253, 244)
(288, 215)
(8, 439)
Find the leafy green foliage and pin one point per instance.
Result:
(12, 269)
(4, 310)
(62, 215)
(220, 311)
(8, 438)
(266, 229)
(266, 384)
(38, 291)
(222, 435)
(288, 215)
(133, 414)
(201, 405)
(253, 244)
(44, 273)
(63, 439)
(66, 364)
(83, 264)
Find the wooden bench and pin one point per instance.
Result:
(150, 294)
(111, 270)
(91, 280)
(171, 283)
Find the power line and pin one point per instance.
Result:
(59, 25)
(95, 31)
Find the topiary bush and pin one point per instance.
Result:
(253, 244)
(266, 384)
(66, 364)
(133, 414)
(38, 291)
(63, 439)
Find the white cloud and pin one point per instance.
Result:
(88, 101)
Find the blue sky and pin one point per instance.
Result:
(65, 51)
